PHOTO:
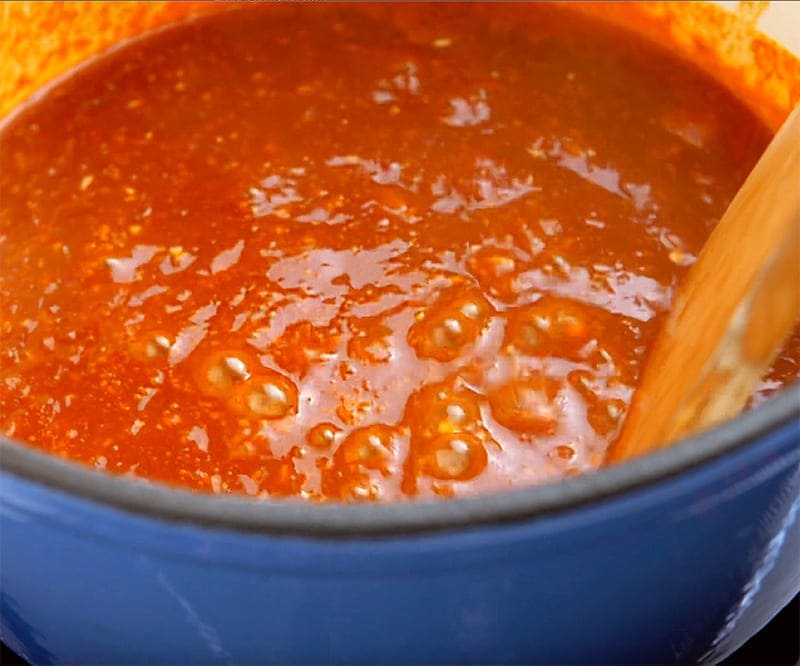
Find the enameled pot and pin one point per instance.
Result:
(677, 557)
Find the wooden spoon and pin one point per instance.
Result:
(732, 313)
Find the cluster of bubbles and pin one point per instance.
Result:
(454, 323)
(257, 393)
(443, 434)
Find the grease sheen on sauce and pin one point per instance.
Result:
(355, 253)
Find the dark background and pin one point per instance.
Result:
(777, 644)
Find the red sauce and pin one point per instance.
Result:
(355, 253)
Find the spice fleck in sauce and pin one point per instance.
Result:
(351, 253)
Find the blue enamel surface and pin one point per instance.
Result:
(684, 569)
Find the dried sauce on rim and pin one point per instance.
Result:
(355, 253)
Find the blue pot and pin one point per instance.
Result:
(677, 557)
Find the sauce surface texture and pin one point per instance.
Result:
(348, 253)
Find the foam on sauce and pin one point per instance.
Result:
(349, 253)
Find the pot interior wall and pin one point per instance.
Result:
(41, 40)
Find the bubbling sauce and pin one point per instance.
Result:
(355, 253)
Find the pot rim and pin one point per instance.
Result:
(351, 521)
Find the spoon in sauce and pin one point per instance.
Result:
(736, 307)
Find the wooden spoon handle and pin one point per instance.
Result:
(737, 305)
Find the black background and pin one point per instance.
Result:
(777, 644)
